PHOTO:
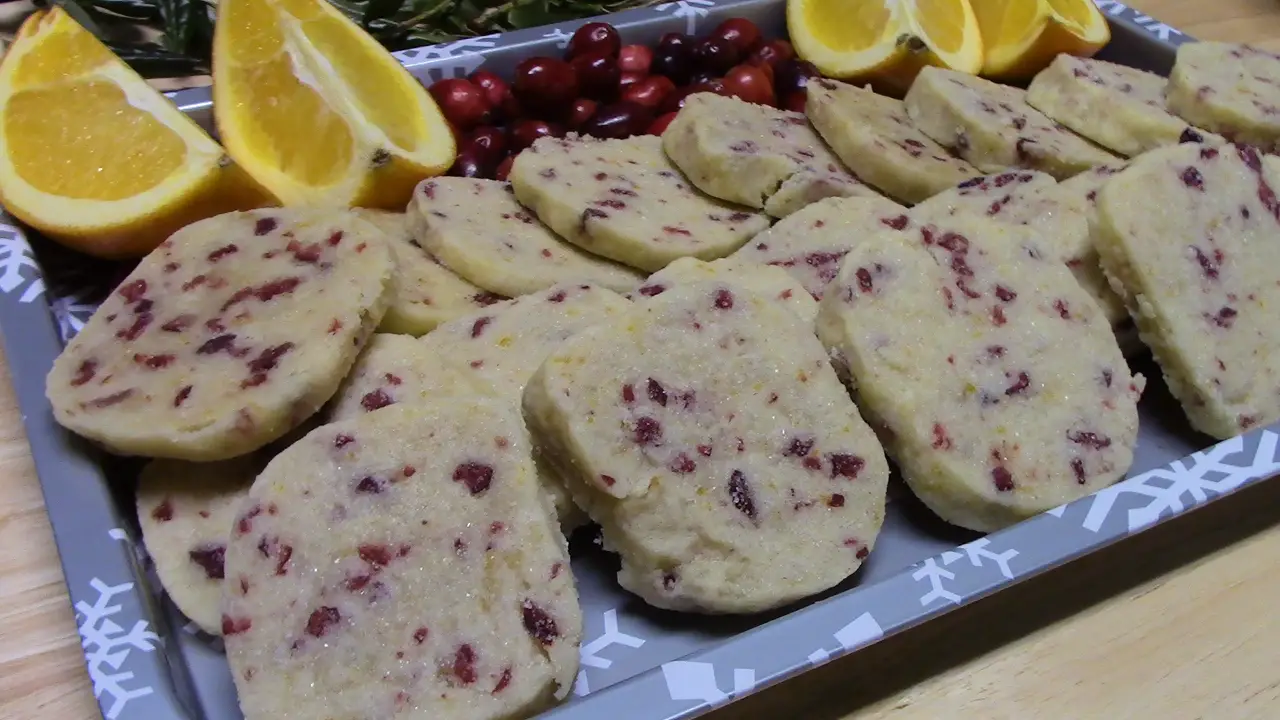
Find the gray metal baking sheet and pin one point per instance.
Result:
(147, 662)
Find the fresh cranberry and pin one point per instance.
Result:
(792, 76)
(489, 144)
(748, 82)
(629, 79)
(495, 89)
(795, 102)
(650, 92)
(594, 38)
(703, 77)
(741, 33)
(675, 101)
(635, 59)
(463, 103)
(674, 61)
(523, 133)
(772, 53)
(469, 164)
(504, 169)
(659, 126)
(619, 120)
(545, 85)
(715, 55)
(598, 76)
(580, 112)
(675, 39)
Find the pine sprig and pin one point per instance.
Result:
(175, 37)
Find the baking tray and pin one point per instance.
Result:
(146, 661)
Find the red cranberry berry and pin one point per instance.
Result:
(580, 112)
(463, 104)
(772, 53)
(659, 126)
(545, 85)
(675, 61)
(504, 169)
(489, 144)
(619, 120)
(741, 33)
(793, 75)
(523, 133)
(598, 76)
(469, 164)
(650, 92)
(594, 38)
(495, 89)
(749, 83)
(635, 59)
(715, 55)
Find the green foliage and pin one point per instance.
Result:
(180, 32)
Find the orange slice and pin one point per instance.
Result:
(318, 111)
(1023, 36)
(885, 42)
(93, 157)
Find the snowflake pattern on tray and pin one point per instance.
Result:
(696, 681)
(936, 572)
(107, 645)
(1185, 483)
(464, 56)
(589, 653)
(690, 10)
(18, 268)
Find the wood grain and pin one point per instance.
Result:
(1177, 623)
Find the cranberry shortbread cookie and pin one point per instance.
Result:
(186, 511)
(1233, 90)
(1188, 234)
(478, 230)
(1057, 213)
(873, 136)
(997, 383)
(230, 333)
(770, 281)
(625, 200)
(993, 127)
(755, 155)
(426, 293)
(1118, 107)
(491, 353)
(707, 433)
(398, 369)
(810, 244)
(401, 564)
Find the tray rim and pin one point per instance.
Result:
(31, 334)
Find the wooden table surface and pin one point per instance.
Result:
(1177, 623)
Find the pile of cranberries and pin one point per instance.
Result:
(606, 89)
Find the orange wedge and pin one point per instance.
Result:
(95, 158)
(1023, 36)
(885, 42)
(317, 111)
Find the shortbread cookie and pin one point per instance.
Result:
(401, 564)
(397, 369)
(1082, 191)
(1118, 107)
(624, 200)
(1233, 90)
(492, 353)
(997, 381)
(873, 136)
(226, 336)
(1189, 234)
(707, 433)
(993, 127)
(426, 293)
(810, 244)
(186, 511)
(478, 230)
(1058, 214)
(755, 155)
(768, 281)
